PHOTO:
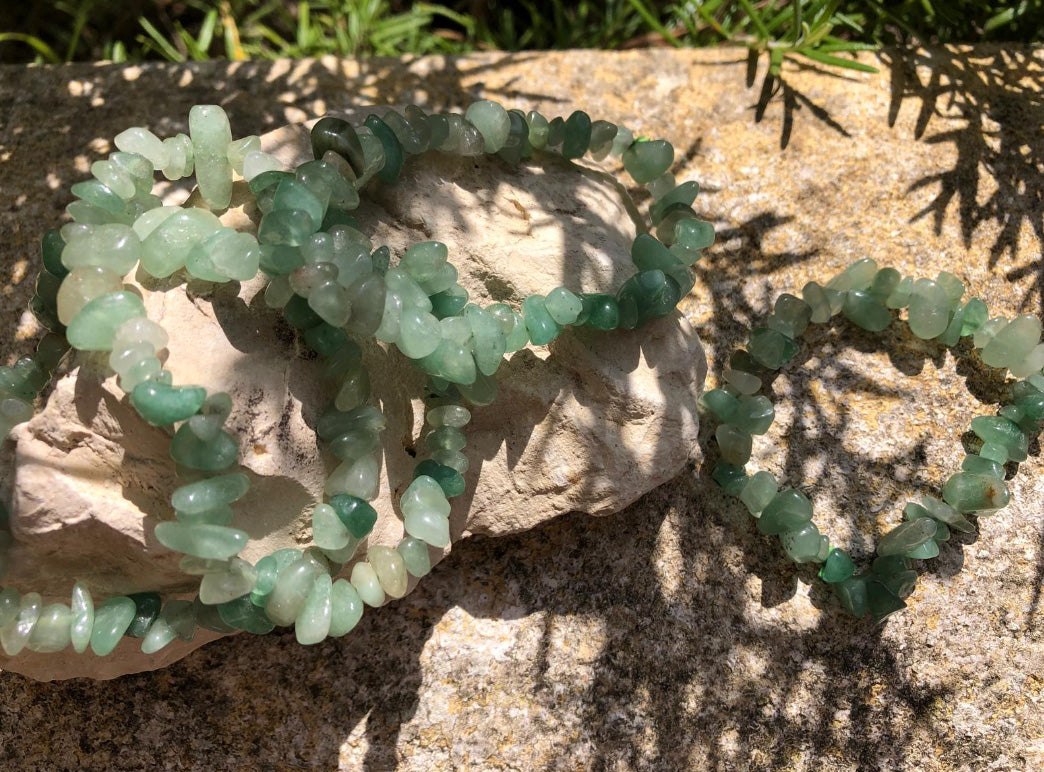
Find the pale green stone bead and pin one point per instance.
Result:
(144, 370)
(200, 266)
(929, 312)
(234, 582)
(982, 336)
(346, 608)
(373, 154)
(15, 635)
(900, 296)
(207, 423)
(907, 536)
(760, 489)
(412, 295)
(419, 333)
(426, 511)
(472, 143)
(328, 532)
(415, 556)
(115, 178)
(220, 514)
(291, 588)
(623, 140)
(354, 445)
(346, 553)
(233, 254)
(456, 329)
(366, 582)
(238, 150)
(1012, 343)
(488, 341)
(356, 478)
(92, 329)
(124, 359)
(140, 329)
(661, 186)
(256, 162)
(330, 300)
(538, 129)
(166, 249)
(82, 285)
(89, 214)
(455, 416)
(181, 157)
(802, 545)
(445, 438)
(211, 136)
(491, 119)
(82, 621)
(204, 541)
(138, 167)
(563, 305)
(454, 459)
(112, 617)
(355, 388)
(152, 219)
(390, 568)
(9, 598)
(744, 383)
(734, 443)
(143, 142)
(391, 320)
(423, 261)
(816, 297)
(51, 631)
(1032, 363)
(312, 624)
(209, 493)
(160, 634)
(366, 300)
(112, 246)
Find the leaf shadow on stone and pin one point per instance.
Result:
(986, 104)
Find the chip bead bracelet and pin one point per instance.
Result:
(867, 296)
(326, 279)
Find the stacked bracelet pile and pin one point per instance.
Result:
(867, 296)
(331, 285)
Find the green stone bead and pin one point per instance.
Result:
(112, 618)
(336, 134)
(16, 633)
(929, 312)
(968, 492)
(1031, 405)
(267, 570)
(328, 532)
(390, 569)
(325, 340)
(94, 326)
(648, 254)
(852, 593)
(838, 567)
(167, 247)
(790, 316)
(647, 295)
(735, 444)
(293, 194)
(357, 515)
(449, 479)
(645, 161)
(540, 325)
(215, 542)
(113, 246)
(985, 333)
(578, 136)
(818, 299)
(415, 556)
(449, 302)
(907, 536)
(426, 511)
(742, 382)
(292, 586)
(944, 513)
(538, 129)
(346, 608)
(952, 286)
(996, 430)
(599, 311)
(900, 296)
(563, 306)
(926, 551)
(602, 135)
(82, 607)
(419, 333)
(866, 311)
(9, 605)
(209, 618)
(881, 602)
(452, 361)
(211, 136)
(952, 335)
(51, 631)
(683, 194)
(802, 544)
(758, 491)
(162, 405)
(146, 608)
(366, 582)
(357, 478)
(312, 623)
(205, 455)
(492, 121)
(858, 276)
(721, 404)
(235, 581)
(983, 466)
(221, 514)
(900, 583)
(51, 247)
(770, 348)
(789, 510)
(393, 151)
(177, 619)
(732, 479)
(285, 227)
(754, 414)
(23, 380)
(243, 614)
(975, 315)
(488, 341)
(100, 195)
(1013, 342)
(884, 284)
(692, 233)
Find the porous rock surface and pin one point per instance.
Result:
(588, 424)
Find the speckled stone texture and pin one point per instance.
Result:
(670, 636)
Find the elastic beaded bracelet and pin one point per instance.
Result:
(324, 278)
(867, 297)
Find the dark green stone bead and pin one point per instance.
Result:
(645, 161)
(647, 295)
(146, 608)
(884, 284)
(721, 404)
(741, 360)
(440, 128)
(928, 550)
(242, 614)
(577, 135)
(881, 602)
(866, 311)
(732, 479)
(207, 456)
(886, 565)
(162, 405)
(393, 152)
(51, 246)
(268, 181)
(901, 583)
(1032, 406)
(47, 285)
(540, 325)
(381, 259)
(789, 510)
(555, 133)
(907, 536)
(336, 134)
(46, 315)
(838, 567)
(601, 312)
(449, 302)
(602, 135)
(280, 260)
(324, 339)
(209, 618)
(649, 254)
(450, 480)
(356, 514)
(770, 348)
(293, 195)
(286, 227)
(335, 217)
(684, 194)
(25, 378)
(975, 315)
(517, 145)
(300, 315)
(1000, 431)
(852, 593)
(790, 316)
(50, 350)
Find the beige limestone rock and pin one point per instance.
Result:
(589, 423)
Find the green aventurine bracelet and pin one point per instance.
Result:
(328, 283)
(867, 296)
